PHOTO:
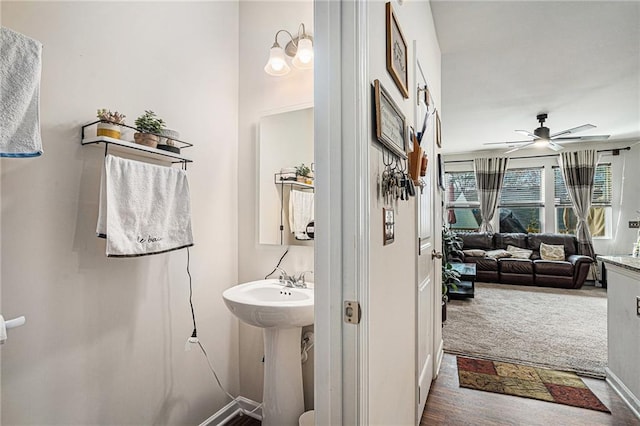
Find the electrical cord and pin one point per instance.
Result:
(278, 265)
(194, 339)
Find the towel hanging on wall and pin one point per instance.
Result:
(144, 208)
(20, 69)
(301, 211)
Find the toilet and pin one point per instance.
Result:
(307, 419)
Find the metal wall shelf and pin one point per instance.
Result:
(145, 151)
(278, 180)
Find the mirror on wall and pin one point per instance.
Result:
(285, 142)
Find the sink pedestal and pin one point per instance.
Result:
(282, 397)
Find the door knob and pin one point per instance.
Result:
(436, 254)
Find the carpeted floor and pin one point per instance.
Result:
(561, 387)
(545, 327)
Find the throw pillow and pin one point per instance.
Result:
(519, 253)
(474, 252)
(498, 254)
(550, 252)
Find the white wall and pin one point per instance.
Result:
(392, 286)
(104, 339)
(261, 94)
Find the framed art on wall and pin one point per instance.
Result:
(396, 52)
(390, 122)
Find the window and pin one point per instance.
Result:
(599, 219)
(463, 208)
(521, 200)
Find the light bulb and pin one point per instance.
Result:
(304, 54)
(276, 65)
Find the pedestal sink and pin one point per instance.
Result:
(281, 312)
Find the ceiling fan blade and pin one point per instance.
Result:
(554, 146)
(506, 143)
(574, 130)
(583, 138)
(519, 147)
(527, 133)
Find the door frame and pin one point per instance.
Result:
(342, 95)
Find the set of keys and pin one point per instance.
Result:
(396, 184)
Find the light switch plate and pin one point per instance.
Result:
(634, 224)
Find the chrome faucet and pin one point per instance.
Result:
(300, 281)
(286, 279)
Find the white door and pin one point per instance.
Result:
(427, 287)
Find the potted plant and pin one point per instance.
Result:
(109, 124)
(451, 249)
(303, 174)
(149, 126)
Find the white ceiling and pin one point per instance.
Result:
(504, 62)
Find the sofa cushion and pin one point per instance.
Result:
(549, 267)
(520, 253)
(476, 240)
(474, 252)
(483, 263)
(568, 241)
(510, 239)
(551, 252)
(498, 254)
(515, 266)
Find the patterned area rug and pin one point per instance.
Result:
(530, 382)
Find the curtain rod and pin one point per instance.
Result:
(616, 151)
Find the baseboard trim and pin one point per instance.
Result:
(627, 396)
(439, 357)
(229, 411)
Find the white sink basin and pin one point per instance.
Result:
(267, 303)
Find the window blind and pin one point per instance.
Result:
(522, 187)
(602, 187)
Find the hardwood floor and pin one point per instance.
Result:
(448, 404)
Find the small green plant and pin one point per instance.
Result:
(149, 122)
(451, 248)
(113, 117)
(303, 170)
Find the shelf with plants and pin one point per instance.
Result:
(109, 127)
(282, 179)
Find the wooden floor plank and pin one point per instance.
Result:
(449, 404)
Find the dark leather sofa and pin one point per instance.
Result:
(569, 273)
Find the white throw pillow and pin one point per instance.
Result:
(550, 252)
(474, 252)
(519, 253)
(498, 254)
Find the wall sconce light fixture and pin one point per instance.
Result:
(300, 48)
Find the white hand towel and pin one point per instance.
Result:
(3, 330)
(144, 208)
(301, 212)
(20, 69)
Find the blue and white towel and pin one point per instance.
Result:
(20, 69)
(144, 208)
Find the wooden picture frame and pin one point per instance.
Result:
(396, 52)
(388, 225)
(390, 123)
(438, 130)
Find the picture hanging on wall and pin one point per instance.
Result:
(390, 122)
(396, 52)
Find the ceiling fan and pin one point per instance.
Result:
(543, 137)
